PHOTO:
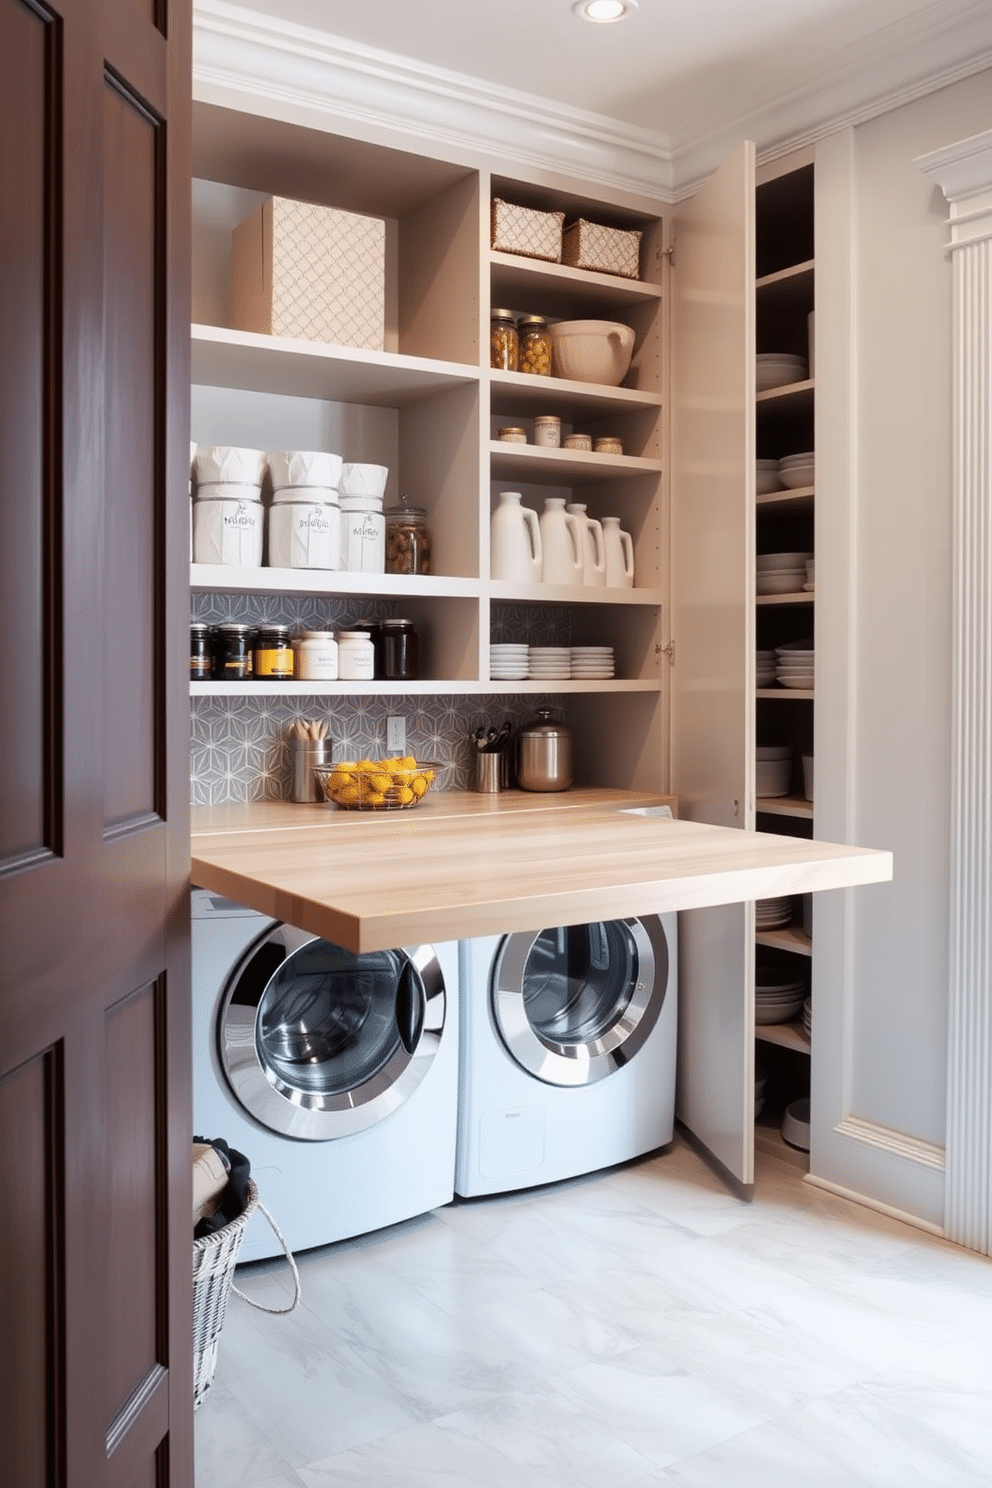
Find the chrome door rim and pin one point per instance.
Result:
(317, 1116)
(595, 1059)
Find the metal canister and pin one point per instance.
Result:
(544, 754)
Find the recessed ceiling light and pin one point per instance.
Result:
(604, 11)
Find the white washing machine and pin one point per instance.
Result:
(335, 1074)
(568, 1041)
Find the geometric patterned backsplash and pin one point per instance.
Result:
(238, 745)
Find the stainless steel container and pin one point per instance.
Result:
(303, 755)
(544, 754)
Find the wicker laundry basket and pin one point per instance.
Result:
(214, 1259)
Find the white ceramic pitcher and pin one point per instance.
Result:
(515, 546)
(593, 558)
(561, 539)
(618, 555)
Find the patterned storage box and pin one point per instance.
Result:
(311, 272)
(610, 250)
(526, 231)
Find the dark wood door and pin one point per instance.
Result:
(94, 997)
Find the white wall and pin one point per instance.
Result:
(887, 1021)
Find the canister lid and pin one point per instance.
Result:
(503, 315)
(396, 624)
(532, 322)
(545, 725)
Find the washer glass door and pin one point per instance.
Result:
(317, 1042)
(575, 1003)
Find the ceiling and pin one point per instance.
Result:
(681, 70)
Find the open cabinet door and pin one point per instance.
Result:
(713, 627)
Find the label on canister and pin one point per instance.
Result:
(274, 661)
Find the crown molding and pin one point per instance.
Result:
(246, 59)
(961, 170)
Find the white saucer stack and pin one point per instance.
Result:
(592, 661)
(808, 1016)
(508, 663)
(794, 666)
(764, 668)
(771, 914)
(773, 769)
(797, 470)
(550, 663)
(780, 573)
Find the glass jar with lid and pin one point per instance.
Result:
(534, 355)
(232, 652)
(273, 654)
(503, 345)
(408, 539)
(399, 651)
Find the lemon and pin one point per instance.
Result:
(419, 785)
(340, 778)
(375, 798)
(379, 781)
(405, 795)
(346, 795)
(406, 763)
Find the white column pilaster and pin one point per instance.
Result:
(964, 173)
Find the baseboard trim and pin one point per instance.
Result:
(893, 1143)
(869, 1203)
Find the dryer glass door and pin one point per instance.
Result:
(317, 1042)
(575, 1003)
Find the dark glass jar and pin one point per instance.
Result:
(201, 662)
(273, 654)
(232, 652)
(400, 661)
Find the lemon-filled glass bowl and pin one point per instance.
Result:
(377, 785)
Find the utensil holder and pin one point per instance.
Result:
(303, 755)
(488, 770)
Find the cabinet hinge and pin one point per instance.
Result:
(669, 253)
(668, 651)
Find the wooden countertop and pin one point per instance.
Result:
(463, 864)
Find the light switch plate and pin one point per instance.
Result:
(396, 735)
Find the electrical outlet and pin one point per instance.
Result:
(396, 735)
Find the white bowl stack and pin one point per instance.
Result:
(808, 1016)
(797, 470)
(767, 479)
(780, 573)
(508, 663)
(794, 666)
(773, 769)
(592, 662)
(778, 996)
(778, 369)
(549, 663)
(810, 583)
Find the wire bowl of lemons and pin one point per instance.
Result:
(377, 785)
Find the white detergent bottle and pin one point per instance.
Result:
(561, 539)
(515, 547)
(618, 552)
(593, 559)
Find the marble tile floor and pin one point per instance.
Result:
(640, 1328)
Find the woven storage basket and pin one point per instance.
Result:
(526, 231)
(610, 250)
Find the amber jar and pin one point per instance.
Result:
(408, 540)
(400, 662)
(503, 340)
(273, 654)
(534, 353)
(201, 666)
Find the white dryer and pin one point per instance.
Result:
(568, 1042)
(335, 1074)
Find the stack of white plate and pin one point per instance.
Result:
(551, 663)
(508, 663)
(797, 470)
(808, 1016)
(764, 668)
(770, 914)
(778, 369)
(810, 583)
(777, 996)
(760, 1081)
(780, 573)
(794, 666)
(773, 769)
(592, 661)
(767, 477)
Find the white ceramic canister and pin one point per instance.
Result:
(363, 534)
(515, 547)
(303, 468)
(304, 533)
(593, 558)
(356, 656)
(228, 530)
(316, 656)
(547, 431)
(618, 555)
(561, 540)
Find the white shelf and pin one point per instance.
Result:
(794, 397)
(793, 283)
(315, 369)
(786, 694)
(504, 589)
(563, 290)
(774, 502)
(786, 1035)
(785, 599)
(205, 577)
(530, 395)
(432, 686)
(531, 462)
(785, 806)
(786, 938)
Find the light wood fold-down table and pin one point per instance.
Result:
(462, 864)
